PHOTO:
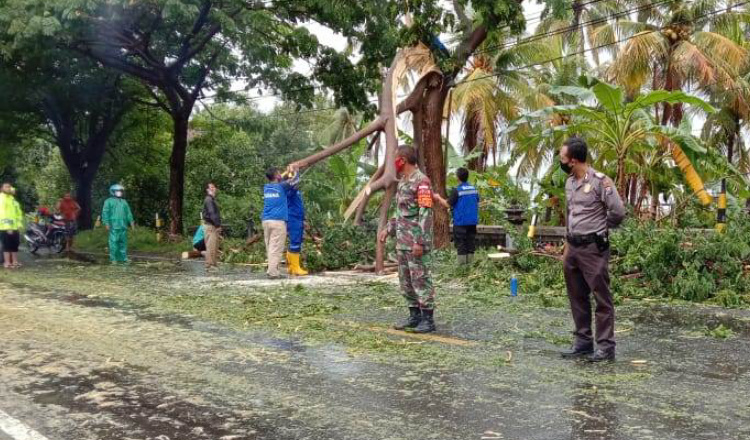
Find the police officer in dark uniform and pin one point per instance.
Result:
(464, 200)
(593, 207)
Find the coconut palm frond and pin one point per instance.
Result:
(722, 51)
(692, 64)
(633, 67)
(624, 29)
(478, 86)
(603, 37)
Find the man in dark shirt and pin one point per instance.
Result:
(212, 224)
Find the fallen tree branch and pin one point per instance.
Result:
(376, 125)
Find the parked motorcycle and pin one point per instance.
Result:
(49, 233)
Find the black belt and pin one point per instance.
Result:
(582, 240)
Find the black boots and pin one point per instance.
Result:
(420, 321)
(578, 351)
(414, 318)
(427, 324)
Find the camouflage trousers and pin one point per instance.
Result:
(416, 281)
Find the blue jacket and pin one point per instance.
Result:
(295, 205)
(275, 201)
(465, 202)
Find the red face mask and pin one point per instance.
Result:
(400, 162)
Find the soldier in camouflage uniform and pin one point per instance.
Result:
(412, 228)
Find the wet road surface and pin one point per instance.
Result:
(72, 368)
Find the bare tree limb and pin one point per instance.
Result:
(467, 47)
(372, 127)
(198, 47)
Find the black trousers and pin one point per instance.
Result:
(10, 241)
(464, 237)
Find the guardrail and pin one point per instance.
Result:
(493, 235)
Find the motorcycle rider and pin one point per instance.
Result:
(11, 220)
(117, 216)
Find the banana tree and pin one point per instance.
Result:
(619, 131)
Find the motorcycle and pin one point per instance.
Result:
(50, 234)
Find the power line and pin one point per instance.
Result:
(538, 17)
(566, 29)
(500, 47)
(540, 63)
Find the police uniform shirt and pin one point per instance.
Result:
(593, 204)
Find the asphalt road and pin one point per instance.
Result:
(72, 369)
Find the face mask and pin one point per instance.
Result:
(400, 162)
(566, 167)
(118, 194)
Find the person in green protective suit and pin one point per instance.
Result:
(117, 216)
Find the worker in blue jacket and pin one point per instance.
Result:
(295, 228)
(275, 216)
(464, 200)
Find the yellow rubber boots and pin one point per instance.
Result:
(293, 264)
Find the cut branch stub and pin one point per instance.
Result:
(360, 202)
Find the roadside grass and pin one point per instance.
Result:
(141, 240)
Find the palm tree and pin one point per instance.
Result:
(581, 19)
(538, 77)
(484, 99)
(723, 129)
(674, 48)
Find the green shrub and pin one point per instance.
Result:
(141, 240)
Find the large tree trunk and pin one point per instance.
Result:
(734, 135)
(432, 144)
(83, 163)
(83, 197)
(177, 172)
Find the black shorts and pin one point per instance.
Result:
(10, 241)
(464, 239)
(200, 246)
(71, 228)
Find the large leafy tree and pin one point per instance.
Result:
(74, 103)
(179, 49)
